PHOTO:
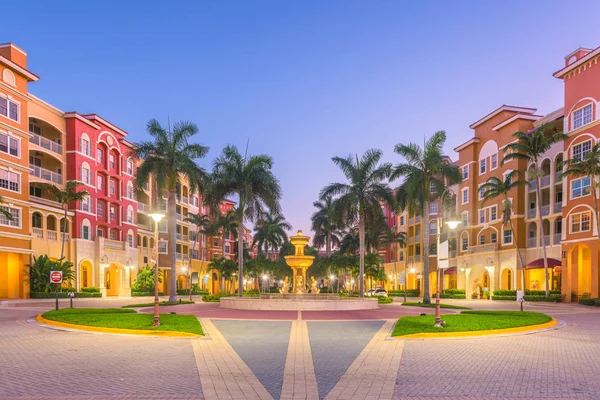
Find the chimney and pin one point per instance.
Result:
(14, 54)
(576, 55)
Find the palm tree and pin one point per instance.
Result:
(252, 180)
(200, 221)
(350, 243)
(426, 174)
(4, 212)
(270, 232)
(374, 230)
(588, 165)
(167, 159)
(496, 187)
(228, 224)
(531, 147)
(359, 200)
(393, 237)
(66, 196)
(326, 231)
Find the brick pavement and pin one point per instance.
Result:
(300, 381)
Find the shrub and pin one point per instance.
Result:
(211, 298)
(540, 292)
(384, 300)
(183, 292)
(597, 303)
(139, 294)
(496, 297)
(453, 291)
(62, 295)
(588, 302)
(39, 273)
(144, 280)
(505, 293)
(553, 297)
(90, 289)
(409, 293)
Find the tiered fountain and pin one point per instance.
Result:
(299, 298)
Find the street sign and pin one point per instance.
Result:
(56, 277)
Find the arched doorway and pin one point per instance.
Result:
(85, 274)
(506, 282)
(112, 279)
(182, 282)
(485, 284)
(580, 261)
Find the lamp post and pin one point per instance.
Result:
(157, 217)
(490, 269)
(265, 277)
(452, 224)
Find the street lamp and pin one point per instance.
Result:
(157, 217)
(265, 277)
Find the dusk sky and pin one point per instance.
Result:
(302, 80)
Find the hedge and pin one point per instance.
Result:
(588, 302)
(62, 295)
(553, 297)
(409, 293)
(139, 294)
(384, 300)
(90, 289)
(496, 297)
(186, 292)
(527, 292)
(453, 294)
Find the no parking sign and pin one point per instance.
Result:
(56, 277)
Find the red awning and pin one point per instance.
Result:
(539, 263)
(450, 271)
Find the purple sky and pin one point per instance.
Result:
(304, 80)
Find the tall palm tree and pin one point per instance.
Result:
(228, 224)
(374, 230)
(200, 221)
(588, 165)
(326, 231)
(252, 180)
(270, 232)
(426, 176)
(166, 159)
(4, 212)
(496, 187)
(350, 242)
(65, 197)
(359, 200)
(395, 238)
(530, 147)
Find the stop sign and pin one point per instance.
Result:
(55, 276)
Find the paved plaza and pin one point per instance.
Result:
(293, 355)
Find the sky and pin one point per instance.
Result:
(302, 81)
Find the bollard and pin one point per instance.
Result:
(71, 295)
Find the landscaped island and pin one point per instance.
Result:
(123, 318)
(470, 321)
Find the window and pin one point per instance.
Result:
(465, 195)
(494, 161)
(432, 187)
(113, 187)
(481, 192)
(493, 213)
(130, 191)
(130, 239)
(10, 145)
(99, 232)
(100, 210)
(580, 187)
(100, 182)
(482, 166)
(582, 116)
(465, 172)
(111, 160)
(195, 201)
(162, 247)
(9, 108)
(84, 146)
(9, 77)
(100, 156)
(507, 236)
(581, 149)
(226, 249)
(85, 204)
(493, 237)
(130, 215)
(433, 228)
(130, 166)
(112, 213)
(86, 176)
(465, 218)
(10, 181)
(482, 239)
(482, 216)
(465, 243)
(215, 242)
(15, 222)
(85, 232)
(401, 256)
(113, 235)
(433, 208)
(580, 222)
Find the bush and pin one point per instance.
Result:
(505, 293)
(139, 294)
(144, 280)
(540, 292)
(62, 295)
(183, 292)
(597, 303)
(588, 302)
(39, 273)
(384, 300)
(212, 298)
(496, 297)
(409, 293)
(553, 297)
(90, 289)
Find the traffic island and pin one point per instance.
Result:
(472, 323)
(122, 321)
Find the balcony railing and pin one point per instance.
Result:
(114, 244)
(180, 237)
(182, 257)
(46, 202)
(45, 143)
(411, 221)
(556, 238)
(547, 240)
(38, 233)
(185, 200)
(480, 248)
(417, 258)
(531, 213)
(452, 254)
(145, 226)
(143, 207)
(545, 210)
(52, 235)
(557, 208)
(545, 181)
(532, 184)
(64, 237)
(45, 174)
(532, 242)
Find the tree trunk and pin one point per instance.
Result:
(223, 243)
(241, 246)
(538, 192)
(512, 228)
(172, 229)
(361, 237)
(425, 231)
(595, 205)
(62, 234)
(328, 244)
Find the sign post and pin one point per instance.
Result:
(56, 277)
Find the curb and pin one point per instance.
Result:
(115, 331)
(522, 330)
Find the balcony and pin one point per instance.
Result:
(182, 257)
(532, 242)
(481, 248)
(64, 237)
(38, 233)
(185, 200)
(545, 181)
(182, 238)
(531, 213)
(545, 210)
(143, 208)
(547, 240)
(557, 238)
(557, 208)
(45, 143)
(144, 226)
(45, 174)
(411, 240)
(417, 258)
(46, 202)
(114, 244)
(52, 235)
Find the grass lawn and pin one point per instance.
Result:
(432, 305)
(467, 321)
(124, 318)
(162, 303)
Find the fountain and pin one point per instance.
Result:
(299, 298)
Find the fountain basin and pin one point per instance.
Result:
(302, 302)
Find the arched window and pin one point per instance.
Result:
(130, 214)
(130, 192)
(130, 166)
(51, 223)
(85, 174)
(130, 238)
(37, 220)
(9, 77)
(84, 145)
(464, 241)
(86, 231)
